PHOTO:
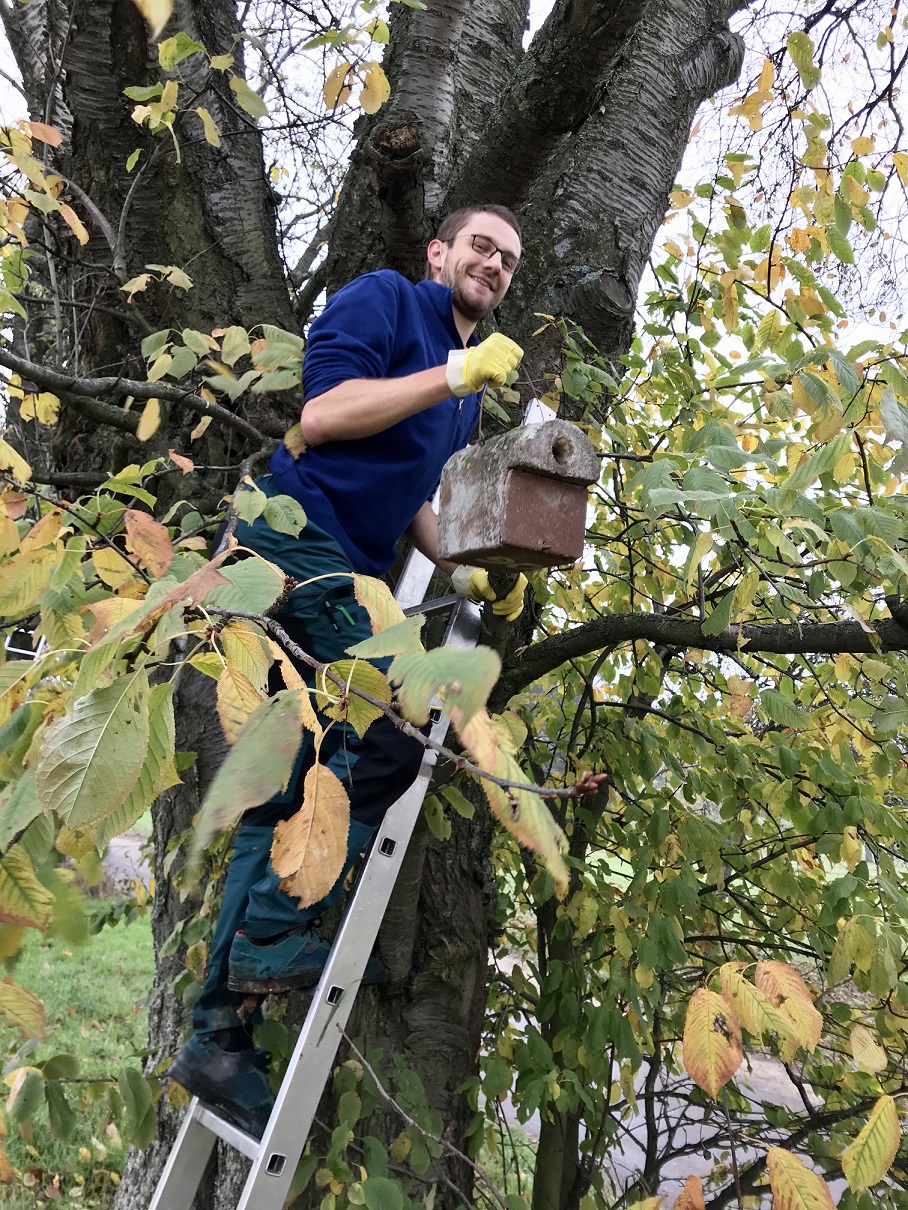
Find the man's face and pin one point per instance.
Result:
(479, 282)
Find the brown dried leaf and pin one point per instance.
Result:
(310, 848)
(149, 541)
(691, 1196)
(185, 464)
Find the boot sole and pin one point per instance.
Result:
(273, 987)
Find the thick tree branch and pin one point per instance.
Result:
(552, 93)
(811, 638)
(88, 393)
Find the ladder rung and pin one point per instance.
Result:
(225, 1130)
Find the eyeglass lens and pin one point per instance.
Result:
(484, 246)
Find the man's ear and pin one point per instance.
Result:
(435, 255)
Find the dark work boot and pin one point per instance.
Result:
(233, 1082)
(290, 963)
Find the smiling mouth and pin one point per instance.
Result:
(482, 281)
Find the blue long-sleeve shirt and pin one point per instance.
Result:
(365, 492)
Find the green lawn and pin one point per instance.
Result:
(94, 1001)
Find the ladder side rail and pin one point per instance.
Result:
(185, 1167)
(316, 1046)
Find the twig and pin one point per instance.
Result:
(589, 784)
(449, 1147)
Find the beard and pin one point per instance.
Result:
(472, 308)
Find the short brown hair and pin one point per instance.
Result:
(455, 222)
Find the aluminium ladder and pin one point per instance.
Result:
(275, 1157)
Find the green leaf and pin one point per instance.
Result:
(137, 92)
(90, 760)
(61, 1067)
(439, 824)
(133, 159)
(154, 345)
(464, 678)
(257, 767)
(234, 345)
(19, 809)
(382, 1193)
(27, 1096)
(285, 515)
(395, 640)
(247, 99)
(281, 349)
(250, 504)
(61, 1114)
(183, 361)
(157, 773)
(819, 463)
(720, 616)
(460, 803)
(255, 584)
(782, 710)
(141, 1123)
(174, 50)
(839, 245)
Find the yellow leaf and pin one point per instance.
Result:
(13, 462)
(136, 285)
(788, 991)
(711, 1048)
(755, 1011)
(336, 89)
(156, 13)
(868, 1054)
(900, 160)
(795, 1187)
(221, 62)
(23, 579)
(376, 89)
(9, 536)
(21, 1009)
(869, 1157)
(359, 674)
(378, 601)
(209, 663)
(200, 428)
(149, 421)
(112, 569)
(701, 549)
(309, 849)
(23, 899)
(47, 408)
(44, 532)
(212, 134)
(852, 851)
(237, 698)
(691, 1196)
(649, 1203)
(73, 221)
(862, 145)
(247, 651)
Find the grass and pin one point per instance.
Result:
(94, 1003)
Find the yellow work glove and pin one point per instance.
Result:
(473, 582)
(489, 362)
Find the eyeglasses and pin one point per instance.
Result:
(484, 246)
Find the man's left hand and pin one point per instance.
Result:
(473, 582)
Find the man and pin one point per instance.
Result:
(393, 377)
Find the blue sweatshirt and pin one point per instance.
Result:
(366, 492)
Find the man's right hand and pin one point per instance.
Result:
(489, 362)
